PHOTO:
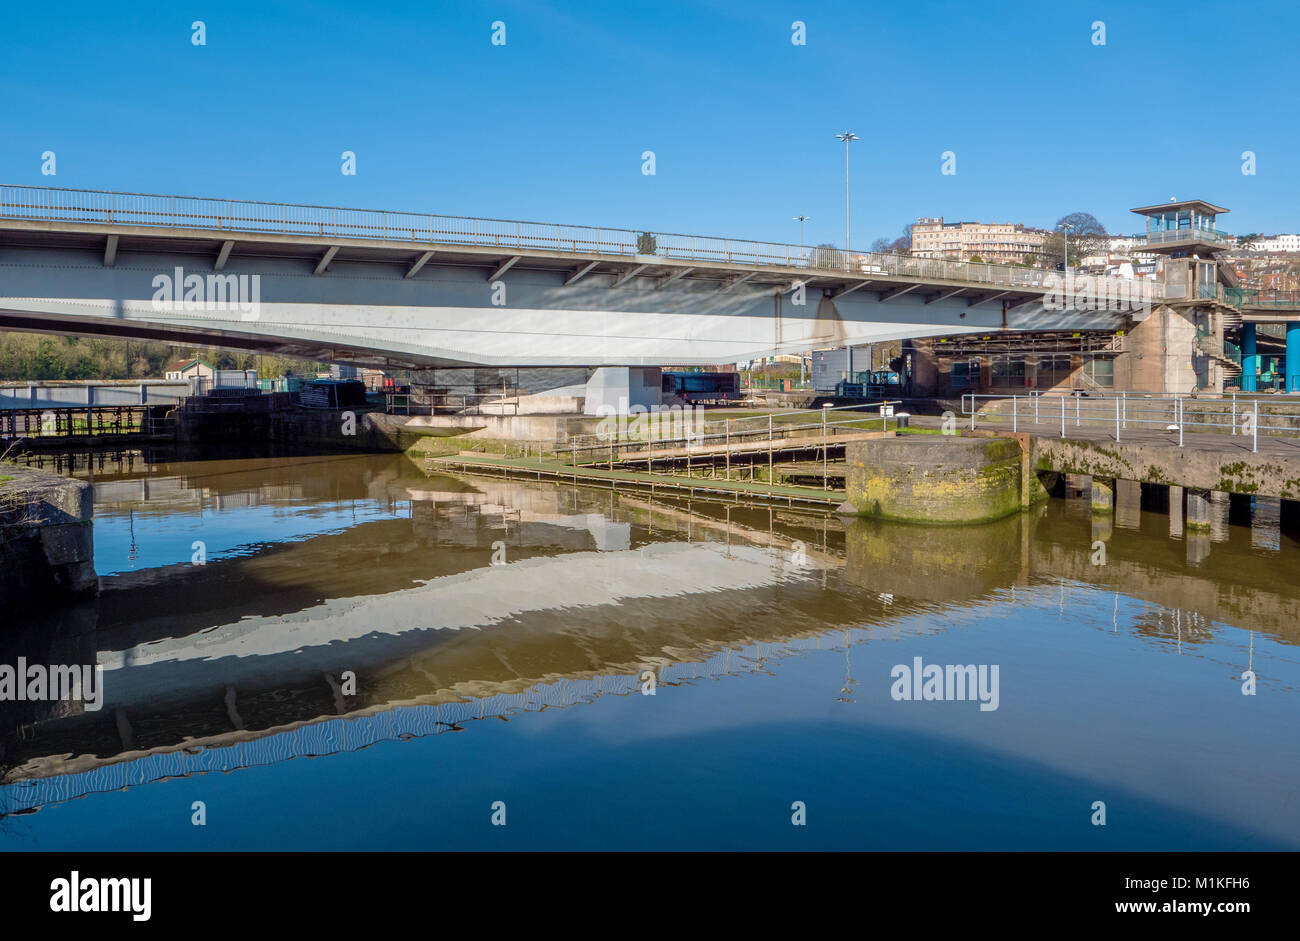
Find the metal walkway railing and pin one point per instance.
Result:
(107, 207)
(1236, 413)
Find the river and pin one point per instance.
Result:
(374, 658)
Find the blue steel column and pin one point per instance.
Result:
(1249, 358)
(1293, 356)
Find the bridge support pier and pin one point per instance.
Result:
(1293, 356)
(616, 390)
(1103, 495)
(1249, 359)
(1198, 511)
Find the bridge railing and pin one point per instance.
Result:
(107, 207)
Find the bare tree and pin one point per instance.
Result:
(1087, 236)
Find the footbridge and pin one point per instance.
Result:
(412, 289)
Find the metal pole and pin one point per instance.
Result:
(1077, 400)
(1062, 416)
(1234, 413)
(1014, 398)
(768, 449)
(727, 425)
(846, 202)
(1255, 428)
(1124, 399)
(825, 479)
(1182, 411)
(1117, 420)
(1037, 396)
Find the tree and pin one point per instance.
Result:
(881, 246)
(646, 244)
(1087, 236)
(827, 255)
(1246, 243)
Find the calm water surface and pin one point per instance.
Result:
(770, 638)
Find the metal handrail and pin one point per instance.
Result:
(1241, 413)
(1210, 236)
(107, 207)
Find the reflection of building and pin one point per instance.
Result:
(995, 242)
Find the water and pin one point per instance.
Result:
(770, 636)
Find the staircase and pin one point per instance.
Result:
(1213, 348)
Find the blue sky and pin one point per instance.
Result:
(551, 126)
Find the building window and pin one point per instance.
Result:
(1101, 371)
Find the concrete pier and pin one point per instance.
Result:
(944, 479)
(1198, 511)
(46, 540)
(1103, 496)
(1128, 504)
(1176, 497)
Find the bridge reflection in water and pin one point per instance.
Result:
(237, 664)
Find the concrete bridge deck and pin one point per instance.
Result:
(413, 289)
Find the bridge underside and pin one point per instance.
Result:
(380, 303)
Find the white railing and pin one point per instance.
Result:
(1182, 235)
(1236, 413)
(106, 207)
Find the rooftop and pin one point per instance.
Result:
(1202, 205)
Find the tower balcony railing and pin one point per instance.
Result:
(1175, 236)
(105, 207)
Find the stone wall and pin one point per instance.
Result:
(46, 539)
(938, 478)
(1232, 471)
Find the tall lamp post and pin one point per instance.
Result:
(848, 137)
(801, 219)
(1065, 264)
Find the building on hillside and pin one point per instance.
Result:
(184, 370)
(1001, 243)
(1277, 243)
(1183, 342)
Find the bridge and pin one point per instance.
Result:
(416, 290)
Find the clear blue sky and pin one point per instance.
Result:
(552, 125)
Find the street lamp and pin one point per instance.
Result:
(848, 137)
(801, 219)
(1067, 226)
